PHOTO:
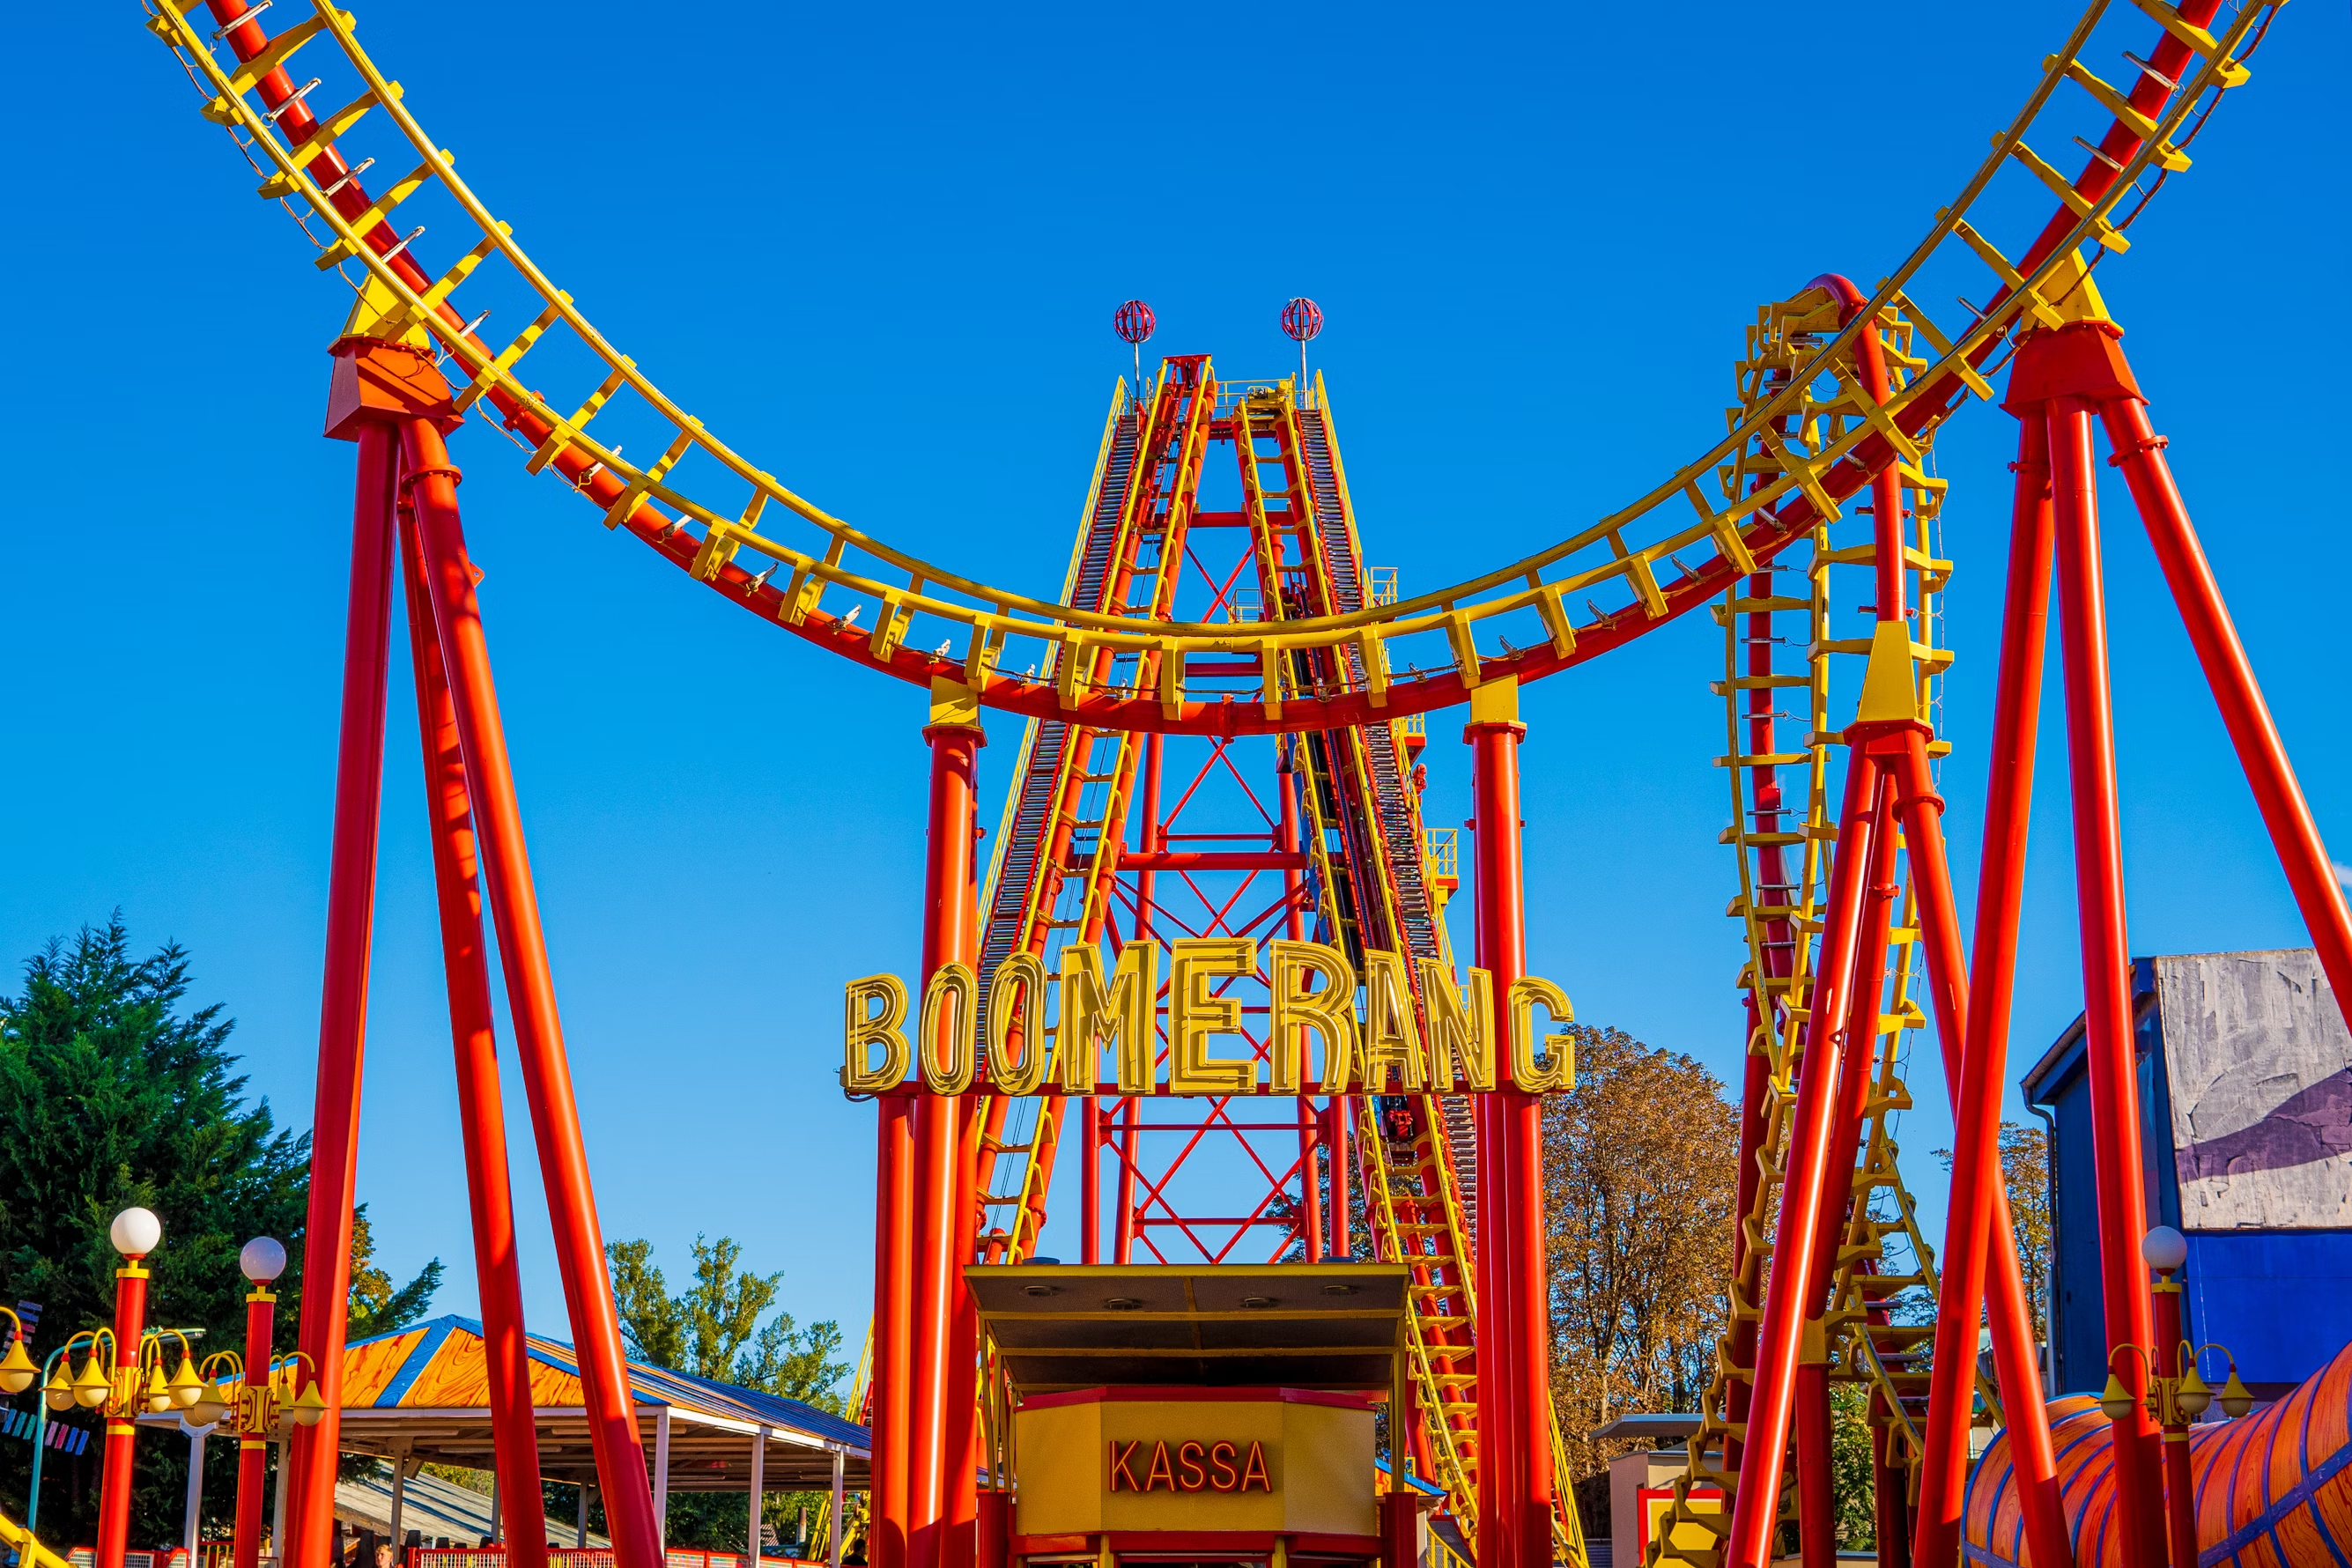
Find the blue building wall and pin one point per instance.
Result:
(2280, 1300)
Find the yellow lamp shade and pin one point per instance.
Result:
(158, 1398)
(2193, 1394)
(58, 1391)
(308, 1406)
(17, 1371)
(186, 1387)
(2236, 1397)
(2117, 1400)
(91, 1386)
(210, 1407)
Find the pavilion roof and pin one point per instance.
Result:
(427, 1387)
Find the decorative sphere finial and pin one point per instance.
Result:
(1302, 319)
(2164, 1250)
(1133, 321)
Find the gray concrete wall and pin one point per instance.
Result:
(2259, 1068)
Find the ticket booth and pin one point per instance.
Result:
(1203, 1415)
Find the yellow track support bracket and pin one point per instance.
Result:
(2063, 189)
(2230, 73)
(362, 225)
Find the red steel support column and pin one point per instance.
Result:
(432, 484)
(481, 1114)
(252, 1450)
(1857, 1066)
(1756, 1506)
(1972, 1022)
(1515, 1474)
(940, 1492)
(122, 1436)
(2106, 959)
(894, 1326)
(2139, 452)
(342, 1011)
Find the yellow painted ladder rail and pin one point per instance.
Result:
(716, 514)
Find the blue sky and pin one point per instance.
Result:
(880, 250)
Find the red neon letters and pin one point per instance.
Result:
(1193, 1466)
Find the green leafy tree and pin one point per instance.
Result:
(113, 1093)
(377, 1305)
(714, 1329)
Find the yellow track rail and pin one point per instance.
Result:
(31, 1553)
(735, 504)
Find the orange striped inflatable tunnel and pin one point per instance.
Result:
(2272, 1490)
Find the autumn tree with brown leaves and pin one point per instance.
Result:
(1640, 1175)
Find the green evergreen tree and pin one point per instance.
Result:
(114, 1093)
(713, 1329)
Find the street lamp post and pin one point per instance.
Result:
(267, 1397)
(2176, 1396)
(134, 1233)
(121, 1381)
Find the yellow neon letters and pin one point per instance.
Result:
(1390, 1036)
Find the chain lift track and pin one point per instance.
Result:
(1109, 669)
(1447, 640)
(1081, 846)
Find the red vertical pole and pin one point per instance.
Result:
(1972, 1022)
(252, 1446)
(1130, 1129)
(432, 484)
(1311, 1185)
(938, 1487)
(2107, 959)
(122, 1436)
(1515, 1474)
(342, 1011)
(1857, 1067)
(1756, 1506)
(481, 1114)
(894, 1318)
(1090, 1140)
(1339, 1134)
(2139, 452)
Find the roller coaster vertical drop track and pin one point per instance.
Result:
(1185, 632)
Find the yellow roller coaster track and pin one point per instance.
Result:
(30, 1553)
(1462, 634)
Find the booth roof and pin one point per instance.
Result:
(439, 1364)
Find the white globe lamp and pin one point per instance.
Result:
(135, 1232)
(262, 1259)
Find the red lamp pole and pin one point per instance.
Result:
(2179, 1492)
(262, 1260)
(134, 1234)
